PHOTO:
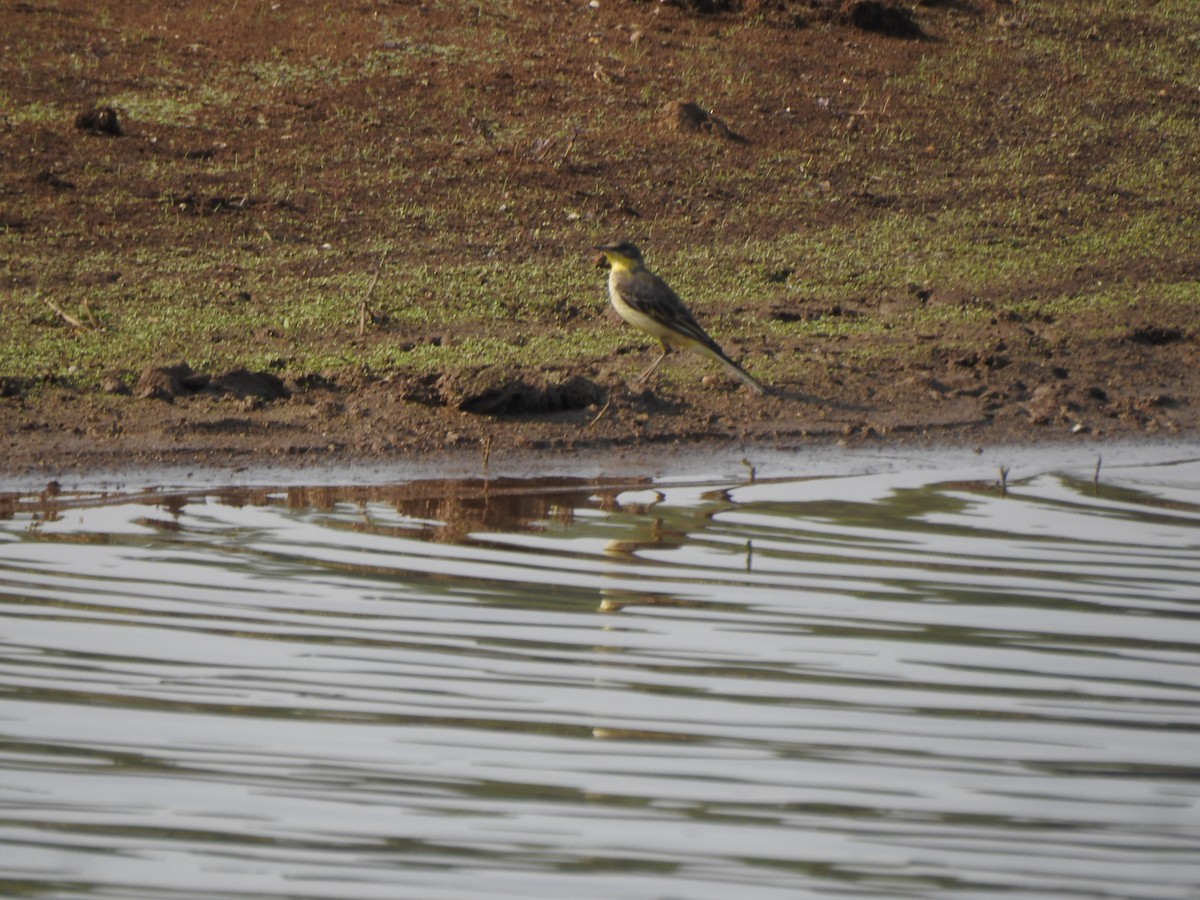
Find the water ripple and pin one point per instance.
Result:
(901, 684)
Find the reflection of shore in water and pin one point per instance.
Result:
(449, 511)
(625, 520)
(444, 510)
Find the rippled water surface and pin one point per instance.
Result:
(883, 681)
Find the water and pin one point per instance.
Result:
(871, 677)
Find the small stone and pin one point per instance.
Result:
(112, 384)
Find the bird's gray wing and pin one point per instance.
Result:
(653, 297)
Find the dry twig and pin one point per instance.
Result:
(600, 415)
(363, 306)
(70, 319)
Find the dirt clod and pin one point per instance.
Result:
(245, 384)
(100, 120)
(1156, 335)
(881, 17)
(168, 382)
(491, 393)
(682, 116)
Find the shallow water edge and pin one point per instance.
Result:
(735, 461)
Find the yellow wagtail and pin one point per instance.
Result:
(647, 302)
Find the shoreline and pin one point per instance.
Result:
(697, 462)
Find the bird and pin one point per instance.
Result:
(647, 302)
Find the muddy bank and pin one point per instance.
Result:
(1027, 382)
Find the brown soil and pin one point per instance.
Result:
(1027, 378)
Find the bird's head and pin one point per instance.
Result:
(622, 256)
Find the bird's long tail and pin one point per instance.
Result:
(734, 369)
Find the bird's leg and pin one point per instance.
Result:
(641, 379)
(650, 371)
